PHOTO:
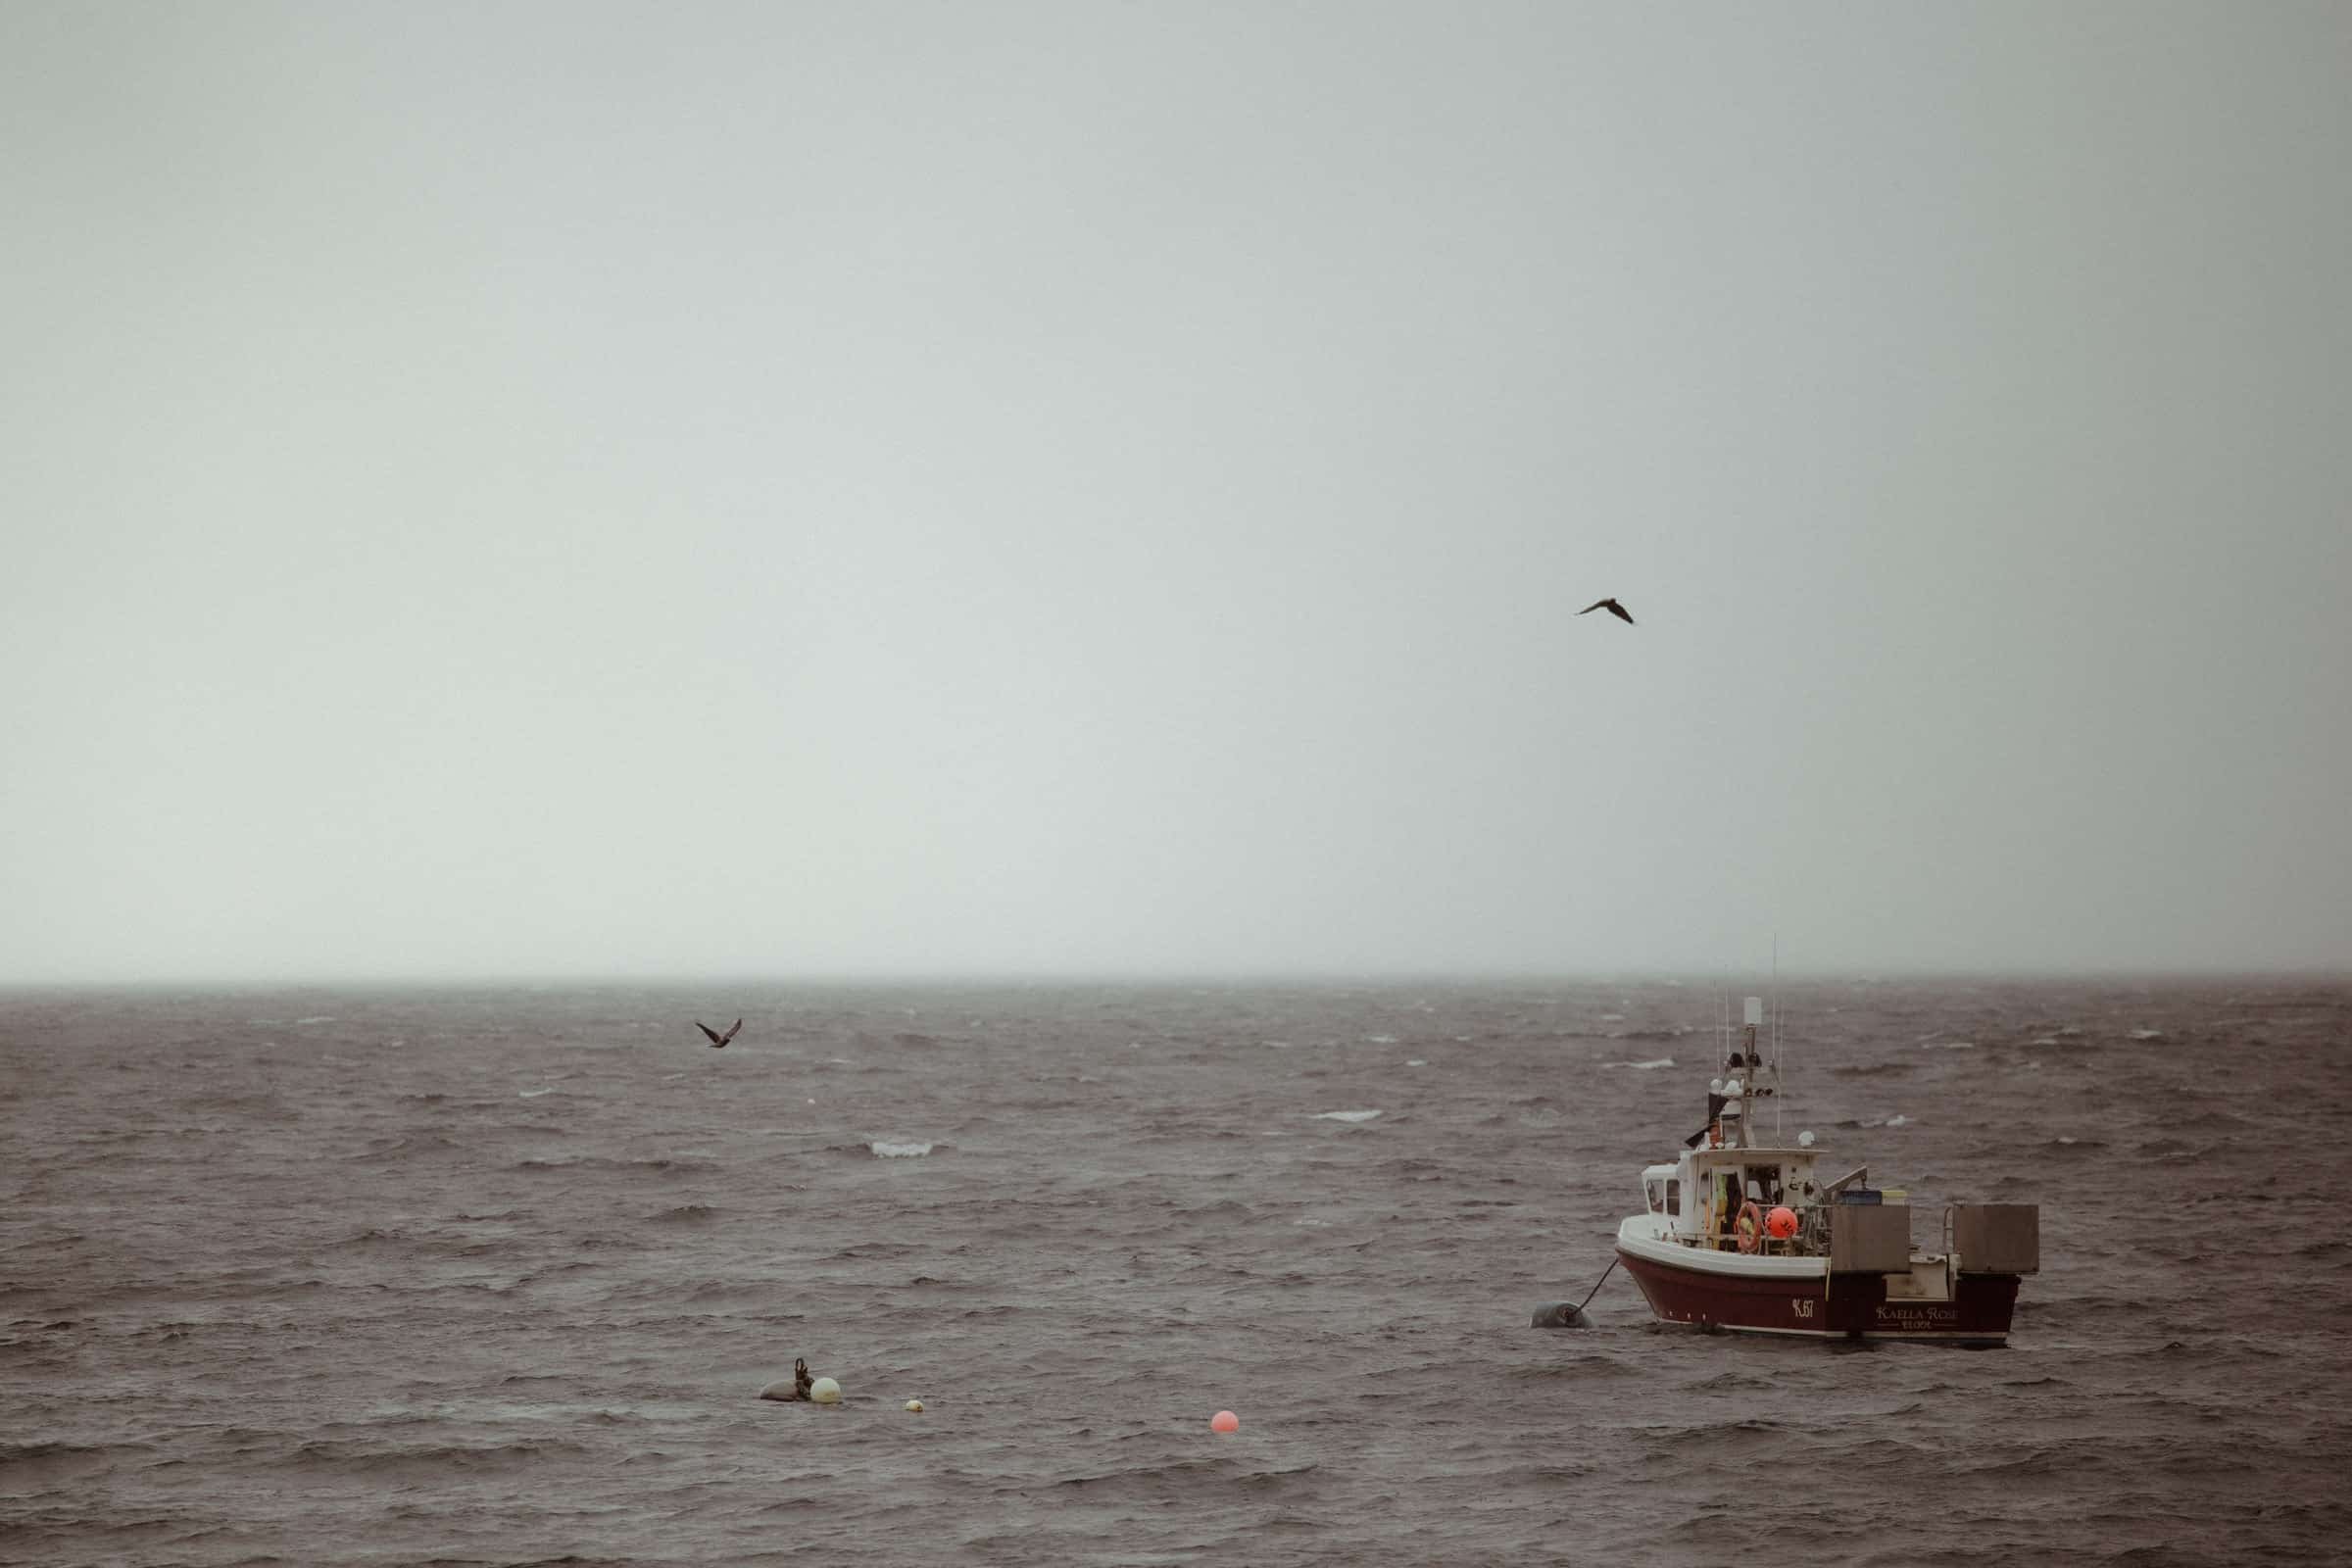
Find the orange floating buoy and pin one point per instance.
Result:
(1782, 1223)
(1224, 1421)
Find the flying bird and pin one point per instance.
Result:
(1609, 605)
(718, 1040)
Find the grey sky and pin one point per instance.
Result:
(795, 490)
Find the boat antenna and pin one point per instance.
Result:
(1776, 1034)
(1776, 996)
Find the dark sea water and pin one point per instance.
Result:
(495, 1277)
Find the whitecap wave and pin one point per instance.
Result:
(884, 1150)
(1950, 1045)
(1345, 1115)
(2147, 1034)
(534, 1094)
(1643, 1066)
(1382, 1040)
(1416, 1062)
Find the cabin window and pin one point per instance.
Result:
(1674, 1195)
(1652, 1188)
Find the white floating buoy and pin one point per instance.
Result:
(916, 1405)
(824, 1390)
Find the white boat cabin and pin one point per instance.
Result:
(1698, 1197)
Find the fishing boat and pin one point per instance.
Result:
(1745, 1231)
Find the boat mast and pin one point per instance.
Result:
(1778, 1045)
(1776, 1038)
(1757, 1080)
(1752, 1069)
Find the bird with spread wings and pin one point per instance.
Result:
(718, 1040)
(1609, 605)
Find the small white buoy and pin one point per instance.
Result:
(916, 1405)
(824, 1390)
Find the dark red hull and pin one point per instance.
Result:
(1853, 1306)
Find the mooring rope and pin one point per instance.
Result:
(1597, 1284)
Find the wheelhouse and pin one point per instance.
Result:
(1701, 1193)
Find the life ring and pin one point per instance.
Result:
(1749, 1226)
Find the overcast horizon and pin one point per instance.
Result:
(1069, 491)
(1706, 991)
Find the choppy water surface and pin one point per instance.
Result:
(494, 1278)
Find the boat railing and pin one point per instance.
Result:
(1812, 1237)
